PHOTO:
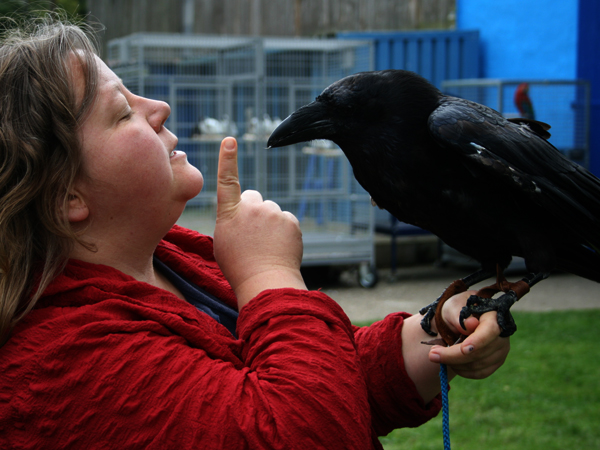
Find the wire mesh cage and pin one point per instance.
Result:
(563, 104)
(243, 87)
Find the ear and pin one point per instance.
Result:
(78, 209)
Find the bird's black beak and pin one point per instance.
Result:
(306, 124)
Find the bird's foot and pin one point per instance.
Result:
(435, 310)
(483, 302)
(428, 313)
(476, 306)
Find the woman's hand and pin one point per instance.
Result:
(257, 245)
(482, 352)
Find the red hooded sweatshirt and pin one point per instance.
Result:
(105, 361)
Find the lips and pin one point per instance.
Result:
(177, 154)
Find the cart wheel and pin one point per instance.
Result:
(367, 275)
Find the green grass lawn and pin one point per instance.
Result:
(546, 395)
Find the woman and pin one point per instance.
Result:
(122, 329)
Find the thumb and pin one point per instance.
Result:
(228, 182)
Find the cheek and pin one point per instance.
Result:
(128, 176)
(127, 155)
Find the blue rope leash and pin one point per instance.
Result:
(445, 408)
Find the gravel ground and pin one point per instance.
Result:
(414, 287)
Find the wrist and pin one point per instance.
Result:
(271, 279)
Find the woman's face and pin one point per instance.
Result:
(131, 169)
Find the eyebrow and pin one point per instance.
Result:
(118, 86)
(114, 91)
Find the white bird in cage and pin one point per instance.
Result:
(211, 128)
(269, 124)
(229, 128)
(322, 143)
(264, 126)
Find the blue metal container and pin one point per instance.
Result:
(435, 55)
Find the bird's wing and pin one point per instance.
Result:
(539, 128)
(518, 156)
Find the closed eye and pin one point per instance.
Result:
(127, 115)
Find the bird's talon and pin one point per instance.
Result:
(428, 312)
(464, 313)
(476, 306)
(473, 303)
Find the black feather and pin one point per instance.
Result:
(491, 188)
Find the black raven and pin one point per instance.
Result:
(491, 188)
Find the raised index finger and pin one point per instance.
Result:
(228, 182)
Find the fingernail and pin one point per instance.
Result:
(229, 144)
(434, 357)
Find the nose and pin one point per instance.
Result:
(158, 113)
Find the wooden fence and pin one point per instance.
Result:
(268, 17)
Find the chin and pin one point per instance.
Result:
(193, 184)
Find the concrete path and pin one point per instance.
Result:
(415, 287)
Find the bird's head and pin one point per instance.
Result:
(362, 104)
(523, 88)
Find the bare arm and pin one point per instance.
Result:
(480, 355)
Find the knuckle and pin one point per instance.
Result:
(231, 180)
(292, 218)
(272, 205)
(251, 194)
(228, 180)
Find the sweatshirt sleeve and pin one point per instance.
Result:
(302, 358)
(394, 399)
(124, 377)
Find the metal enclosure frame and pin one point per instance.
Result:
(563, 104)
(249, 81)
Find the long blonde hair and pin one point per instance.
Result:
(40, 156)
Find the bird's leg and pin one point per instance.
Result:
(435, 309)
(483, 301)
